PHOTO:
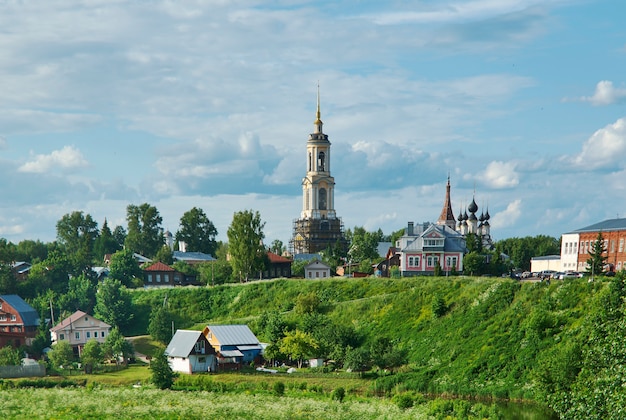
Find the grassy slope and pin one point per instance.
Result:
(488, 342)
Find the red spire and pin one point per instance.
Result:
(447, 216)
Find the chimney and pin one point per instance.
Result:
(409, 230)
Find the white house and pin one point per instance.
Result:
(79, 328)
(569, 252)
(316, 270)
(189, 351)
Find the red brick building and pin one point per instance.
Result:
(614, 236)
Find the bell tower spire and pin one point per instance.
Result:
(318, 120)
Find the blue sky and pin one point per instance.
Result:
(210, 103)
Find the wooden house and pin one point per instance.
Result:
(189, 352)
(78, 329)
(18, 321)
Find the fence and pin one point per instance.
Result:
(22, 371)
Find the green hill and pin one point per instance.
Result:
(561, 344)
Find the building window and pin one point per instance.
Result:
(88, 334)
(199, 347)
(149, 278)
(61, 336)
(612, 245)
(95, 334)
(158, 278)
(3, 317)
(429, 262)
(166, 278)
(317, 274)
(621, 245)
(77, 335)
(13, 317)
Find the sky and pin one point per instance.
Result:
(209, 104)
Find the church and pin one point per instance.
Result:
(318, 227)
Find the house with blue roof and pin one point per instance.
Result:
(234, 344)
(18, 321)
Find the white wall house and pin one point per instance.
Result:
(316, 270)
(189, 352)
(79, 328)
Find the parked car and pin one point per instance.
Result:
(526, 274)
(545, 274)
(570, 275)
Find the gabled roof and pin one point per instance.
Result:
(192, 256)
(183, 343)
(275, 258)
(74, 318)
(27, 313)
(316, 264)
(606, 225)
(382, 248)
(233, 335)
(158, 266)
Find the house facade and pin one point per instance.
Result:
(426, 246)
(316, 270)
(577, 245)
(78, 329)
(189, 352)
(278, 266)
(162, 275)
(234, 344)
(18, 321)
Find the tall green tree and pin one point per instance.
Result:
(61, 354)
(277, 247)
(114, 304)
(119, 234)
(597, 256)
(117, 347)
(197, 231)
(162, 374)
(160, 326)
(92, 354)
(77, 233)
(32, 251)
(299, 345)
(165, 255)
(8, 282)
(81, 295)
(245, 243)
(124, 267)
(105, 243)
(145, 234)
(363, 244)
(50, 274)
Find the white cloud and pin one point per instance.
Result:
(605, 148)
(500, 175)
(507, 217)
(68, 158)
(606, 94)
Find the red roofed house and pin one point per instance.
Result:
(79, 328)
(277, 266)
(162, 275)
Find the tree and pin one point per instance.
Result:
(10, 356)
(162, 374)
(160, 326)
(363, 244)
(216, 272)
(197, 232)
(106, 243)
(92, 355)
(77, 234)
(8, 282)
(597, 256)
(165, 255)
(386, 355)
(298, 345)
(357, 359)
(50, 274)
(81, 294)
(117, 347)
(124, 267)
(61, 354)
(245, 243)
(277, 247)
(119, 234)
(113, 304)
(145, 235)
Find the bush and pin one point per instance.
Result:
(403, 401)
(279, 388)
(338, 394)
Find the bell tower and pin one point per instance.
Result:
(318, 226)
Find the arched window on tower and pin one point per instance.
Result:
(322, 198)
(309, 161)
(320, 161)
